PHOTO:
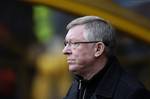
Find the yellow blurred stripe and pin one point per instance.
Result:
(132, 28)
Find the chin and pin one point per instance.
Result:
(73, 68)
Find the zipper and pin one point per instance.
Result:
(79, 85)
(84, 94)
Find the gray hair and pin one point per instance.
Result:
(97, 29)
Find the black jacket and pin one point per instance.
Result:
(110, 83)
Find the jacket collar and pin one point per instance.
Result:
(110, 79)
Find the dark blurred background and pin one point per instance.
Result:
(31, 39)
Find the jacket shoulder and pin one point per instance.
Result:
(130, 86)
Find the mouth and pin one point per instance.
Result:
(70, 61)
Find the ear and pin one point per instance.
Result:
(99, 49)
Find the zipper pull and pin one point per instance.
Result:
(79, 87)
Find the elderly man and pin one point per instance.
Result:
(89, 47)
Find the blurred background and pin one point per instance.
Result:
(31, 39)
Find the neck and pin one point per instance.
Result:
(94, 68)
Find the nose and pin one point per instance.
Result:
(66, 50)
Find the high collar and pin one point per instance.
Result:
(105, 85)
(95, 78)
(110, 79)
(107, 78)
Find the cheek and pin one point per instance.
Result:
(84, 56)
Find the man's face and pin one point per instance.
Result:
(81, 55)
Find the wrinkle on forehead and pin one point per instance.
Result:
(76, 33)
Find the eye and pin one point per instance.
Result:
(75, 44)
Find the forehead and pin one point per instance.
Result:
(75, 33)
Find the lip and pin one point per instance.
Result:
(70, 61)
